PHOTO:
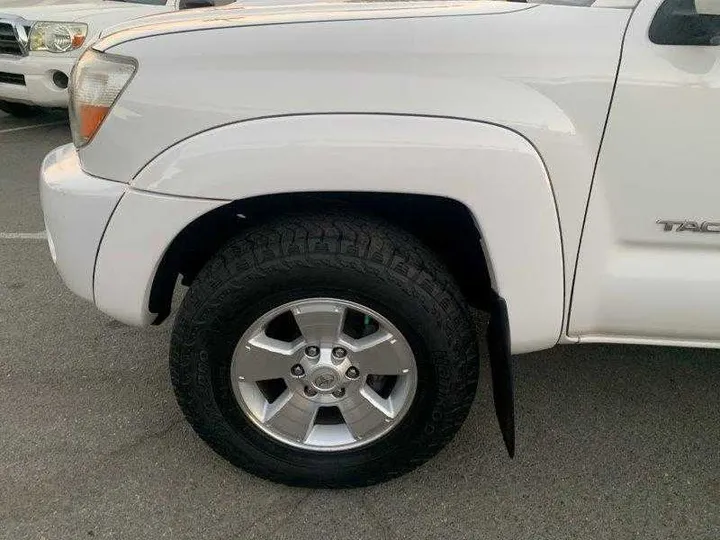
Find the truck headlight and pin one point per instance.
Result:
(96, 83)
(57, 37)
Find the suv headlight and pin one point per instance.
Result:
(57, 37)
(96, 83)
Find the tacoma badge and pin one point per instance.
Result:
(690, 226)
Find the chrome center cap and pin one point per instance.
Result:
(324, 379)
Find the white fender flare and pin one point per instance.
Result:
(496, 173)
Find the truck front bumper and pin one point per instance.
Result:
(106, 239)
(77, 208)
(32, 79)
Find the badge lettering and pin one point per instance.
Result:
(669, 225)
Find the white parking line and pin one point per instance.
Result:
(23, 235)
(22, 128)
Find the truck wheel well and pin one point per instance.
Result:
(446, 226)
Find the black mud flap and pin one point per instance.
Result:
(498, 341)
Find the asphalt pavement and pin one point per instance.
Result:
(614, 442)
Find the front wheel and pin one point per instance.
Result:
(19, 110)
(324, 352)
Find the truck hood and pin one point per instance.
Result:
(257, 13)
(81, 12)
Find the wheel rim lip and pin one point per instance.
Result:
(409, 380)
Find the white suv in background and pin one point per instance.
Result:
(338, 183)
(40, 44)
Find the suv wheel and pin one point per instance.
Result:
(325, 352)
(19, 110)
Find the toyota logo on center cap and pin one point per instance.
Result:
(325, 381)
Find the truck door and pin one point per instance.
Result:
(649, 264)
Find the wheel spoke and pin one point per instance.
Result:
(365, 413)
(262, 358)
(320, 323)
(380, 353)
(291, 414)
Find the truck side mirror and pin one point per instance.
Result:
(687, 22)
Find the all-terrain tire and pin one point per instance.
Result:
(350, 257)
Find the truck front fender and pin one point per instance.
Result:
(495, 172)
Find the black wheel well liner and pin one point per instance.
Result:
(445, 225)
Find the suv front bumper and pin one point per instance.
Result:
(38, 87)
(77, 208)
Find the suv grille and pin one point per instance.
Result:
(8, 42)
(12, 78)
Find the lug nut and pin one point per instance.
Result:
(312, 351)
(340, 392)
(352, 373)
(297, 370)
(339, 352)
(310, 391)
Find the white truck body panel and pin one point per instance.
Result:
(265, 12)
(658, 162)
(553, 89)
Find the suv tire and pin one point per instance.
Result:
(19, 110)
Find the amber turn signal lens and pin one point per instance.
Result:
(77, 41)
(90, 118)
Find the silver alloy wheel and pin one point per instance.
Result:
(352, 390)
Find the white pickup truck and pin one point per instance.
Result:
(339, 183)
